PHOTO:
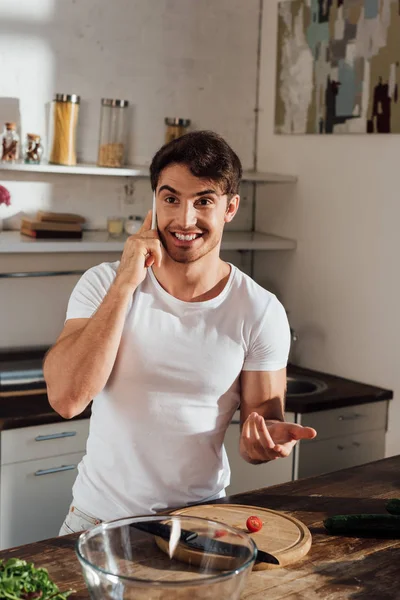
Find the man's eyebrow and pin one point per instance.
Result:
(173, 191)
(169, 188)
(206, 193)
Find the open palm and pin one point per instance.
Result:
(260, 441)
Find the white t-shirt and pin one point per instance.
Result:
(157, 428)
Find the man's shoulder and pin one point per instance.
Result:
(252, 291)
(102, 274)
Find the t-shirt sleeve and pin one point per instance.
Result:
(270, 343)
(89, 292)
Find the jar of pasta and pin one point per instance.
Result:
(63, 126)
(113, 133)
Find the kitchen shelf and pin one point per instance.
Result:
(98, 241)
(130, 171)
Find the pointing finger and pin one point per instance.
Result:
(146, 223)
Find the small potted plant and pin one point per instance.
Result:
(5, 198)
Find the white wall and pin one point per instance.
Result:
(342, 285)
(188, 58)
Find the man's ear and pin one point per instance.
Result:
(232, 208)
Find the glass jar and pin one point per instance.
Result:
(10, 143)
(115, 226)
(113, 133)
(133, 224)
(175, 128)
(63, 125)
(33, 149)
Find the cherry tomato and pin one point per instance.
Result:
(220, 533)
(254, 524)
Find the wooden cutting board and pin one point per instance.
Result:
(283, 536)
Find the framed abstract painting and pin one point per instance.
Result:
(338, 67)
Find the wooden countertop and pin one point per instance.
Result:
(336, 567)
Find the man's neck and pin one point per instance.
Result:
(193, 282)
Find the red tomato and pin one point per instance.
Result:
(220, 533)
(254, 524)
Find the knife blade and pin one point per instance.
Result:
(202, 543)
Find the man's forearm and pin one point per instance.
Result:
(78, 367)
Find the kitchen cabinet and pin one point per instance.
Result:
(38, 469)
(347, 437)
(245, 476)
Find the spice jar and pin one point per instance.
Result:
(115, 226)
(10, 143)
(63, 124)
(133, 224)
(33, 149)
(113, 133)
(175, 128)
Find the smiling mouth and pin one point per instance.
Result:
(186, 237)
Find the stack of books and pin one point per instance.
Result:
(53, 225)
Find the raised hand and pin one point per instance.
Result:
(261, 441)
(141, 251)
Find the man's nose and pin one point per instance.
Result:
(187, 216)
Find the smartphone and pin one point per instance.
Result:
(154, 215)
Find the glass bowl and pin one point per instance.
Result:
(165, 557)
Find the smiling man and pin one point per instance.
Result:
(169, 342)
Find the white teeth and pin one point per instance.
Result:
(185, 238)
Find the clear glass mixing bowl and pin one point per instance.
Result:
(165, 557)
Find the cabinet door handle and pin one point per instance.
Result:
(350, 417)
(54, 436)
(355, 444)
(235, 422)
(54, 470)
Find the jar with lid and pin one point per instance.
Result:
(63, 125)
(133, 224)
(113, 135)
(175, 128)
(10, 143)
(33, 149)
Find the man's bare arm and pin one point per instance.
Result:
(262, 397)
(265, 435)
(263, 392)
(79, 365)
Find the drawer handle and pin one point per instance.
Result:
(356, 444)
(350, 417)
(55, 436)
(54, 470)
(235, 422)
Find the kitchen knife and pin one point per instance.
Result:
(202, 543)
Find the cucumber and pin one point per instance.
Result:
(365, 525)
(393, 506)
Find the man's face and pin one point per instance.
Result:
(191, 213)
